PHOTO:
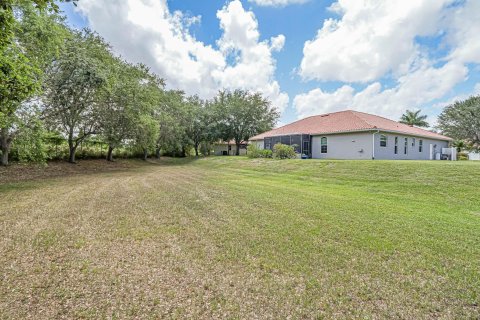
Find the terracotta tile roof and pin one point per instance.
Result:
(232, 142)
(347, 121)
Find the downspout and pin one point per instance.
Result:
(373, 143)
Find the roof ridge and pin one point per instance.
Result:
(361, 119)
(397, 122)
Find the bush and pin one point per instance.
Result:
(462, 156)
(254, 152)
(283, 151)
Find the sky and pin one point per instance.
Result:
(306, 56)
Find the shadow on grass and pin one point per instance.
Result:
(26, 176)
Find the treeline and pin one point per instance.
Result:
(63, 88)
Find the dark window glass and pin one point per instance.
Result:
(383, 140)
(323, 143)
(396, 145)
(306, 147)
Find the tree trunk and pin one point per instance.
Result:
(157, 153)
(237, 149)
(110, 153)
(4, 158)
(71, 156)
(145, 154)
(196, 150)
(72, 148)
(4, 146)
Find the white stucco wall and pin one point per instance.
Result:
(344, 146)
(219, 148)
(413, 152)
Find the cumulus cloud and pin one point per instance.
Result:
(374, 41)
(371, 39)
(146, 31)
(412, 90)
(277, 3)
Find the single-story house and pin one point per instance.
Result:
(355, 135)
(227, 148)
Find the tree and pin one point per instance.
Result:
(460, 145)
(148, 102)
(146, 133)
(197, 122)
(72, 88)
(413, 118)
(242, 115)
(172, 119)
(123, 103)
(30, 42)
(7, 17)
(461, 121)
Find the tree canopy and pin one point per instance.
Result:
(61, 85)
(461, 121)
(242, 114)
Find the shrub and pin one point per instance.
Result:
(462, 156)
(254, 152)
(283, 151)
(266, 153)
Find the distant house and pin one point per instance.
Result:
(355, 135)
(227, 148)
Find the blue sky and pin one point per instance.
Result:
(309, 57)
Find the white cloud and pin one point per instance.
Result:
(412, 91)
(146, 31)
(375, 40)
(371, 39)
(464, 32)
(277, 3)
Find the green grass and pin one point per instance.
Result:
(230, 237)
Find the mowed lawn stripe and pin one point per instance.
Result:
(238, 238)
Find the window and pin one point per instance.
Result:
(383, 140)
(323, 143)
(396, 145)
(420, 145)
(406, 146)
(413, 142)
(267, 146)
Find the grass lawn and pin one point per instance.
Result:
(234, 238)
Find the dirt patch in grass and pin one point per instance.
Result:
(26, 172)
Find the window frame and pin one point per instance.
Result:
(395, 149)
(323, 145)
(383, 138)
(420, 145)
(405, 148)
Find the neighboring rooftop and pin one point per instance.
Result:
(347, 121)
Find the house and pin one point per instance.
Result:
(355, 135)
(227, 148)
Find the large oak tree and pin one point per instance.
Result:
(73, 86)
(242, 114)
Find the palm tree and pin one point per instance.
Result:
(460, 145)
(413, 118)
